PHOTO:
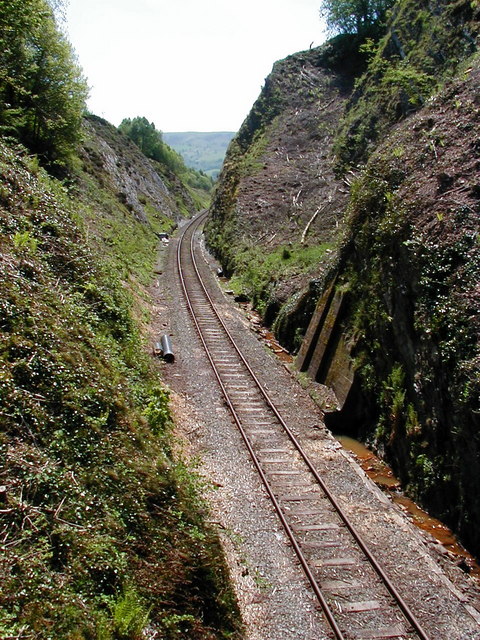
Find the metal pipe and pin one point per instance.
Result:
(167, 351)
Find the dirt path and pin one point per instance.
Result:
(274, 597)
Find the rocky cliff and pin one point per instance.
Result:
(354, 181)
(279, 205)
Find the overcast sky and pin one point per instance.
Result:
(186, 65)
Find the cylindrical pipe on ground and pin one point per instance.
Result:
(167, 351)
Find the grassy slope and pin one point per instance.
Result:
(102, 529)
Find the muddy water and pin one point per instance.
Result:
(383, 476)
(276, 347)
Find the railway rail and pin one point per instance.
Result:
(358, 599)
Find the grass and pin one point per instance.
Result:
(257, 271)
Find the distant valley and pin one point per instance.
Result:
(202, 151)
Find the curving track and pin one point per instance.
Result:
(356, 596)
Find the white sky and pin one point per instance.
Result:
(186, 65)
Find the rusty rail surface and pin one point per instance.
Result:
(334, 579)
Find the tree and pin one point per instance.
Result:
(150, 141)
(144, 135)
(354, 16)
(42, 90)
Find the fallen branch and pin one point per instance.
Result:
(57, 510)
(295, 199)
(271, 239)
(71, 524)
(305, 231)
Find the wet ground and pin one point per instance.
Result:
(383, 476)
(375, 468)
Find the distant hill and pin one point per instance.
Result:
(202, 151)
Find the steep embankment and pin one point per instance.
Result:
(278, 206)
(402, 310)
(102, 529)
(412, 268)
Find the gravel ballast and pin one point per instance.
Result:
(274, 596)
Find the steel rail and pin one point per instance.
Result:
(311, 578)
(374, 563)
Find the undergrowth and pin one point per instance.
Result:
(102, 529)
(421, 50)
(257, 271)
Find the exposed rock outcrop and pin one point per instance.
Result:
(140, 184)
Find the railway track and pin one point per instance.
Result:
(357, 598)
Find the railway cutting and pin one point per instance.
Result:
(362, 574)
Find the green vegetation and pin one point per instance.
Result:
(102, 527)
(42, 91)
(252, 161)
(412, 286)
(418, 350)
(257, 271)
(150, 141)
(354, 16)
(204, 152)
(103, 532)
(410, 256)
(420, 50)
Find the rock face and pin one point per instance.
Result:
(278, 188)
(412, 268)
(387, 174)
(132, 177)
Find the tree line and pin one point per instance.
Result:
(42, 88)
(150, 141)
